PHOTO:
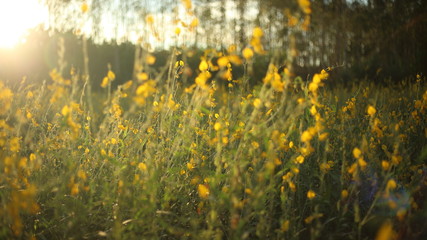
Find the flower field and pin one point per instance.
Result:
(216, 158)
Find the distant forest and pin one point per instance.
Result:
(373, 39)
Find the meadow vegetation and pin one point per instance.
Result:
(169, 156)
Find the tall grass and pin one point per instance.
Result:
(170, 156)
(158, 159)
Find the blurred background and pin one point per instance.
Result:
(368, 39)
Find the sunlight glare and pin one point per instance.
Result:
(17, 17)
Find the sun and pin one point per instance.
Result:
(17, 16)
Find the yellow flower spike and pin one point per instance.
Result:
(371, 110)
(203, 191)
(311, 194)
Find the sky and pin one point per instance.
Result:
(17, 16)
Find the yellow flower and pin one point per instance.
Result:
(292, 186)
(81, 174)
(14, 144)
(142, 166)
(305, 6)
(149, 19)
(142, 76)
(391, 184)
(313, 87)
(371, 110)
(357, 152)
(74, 189)
(299, 159)
(247, 53)
(150, 59)
(311, 194)
(323, 136)
(217, 126)
(255, 145)
(203, 66)
(385, 165)
(203, 191)
(84, 7)
(362, 163)
(257, 103)
(179, 63)
(194, 23)
(316, 78)
(285, 226)
(306, 136)
(257, 32)
(187, 4)
(105, 82)
(190, 166)
(386, 232)
(111, 76)
(344, 194)
(30, 95)
(177, 30)
(222, 61)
